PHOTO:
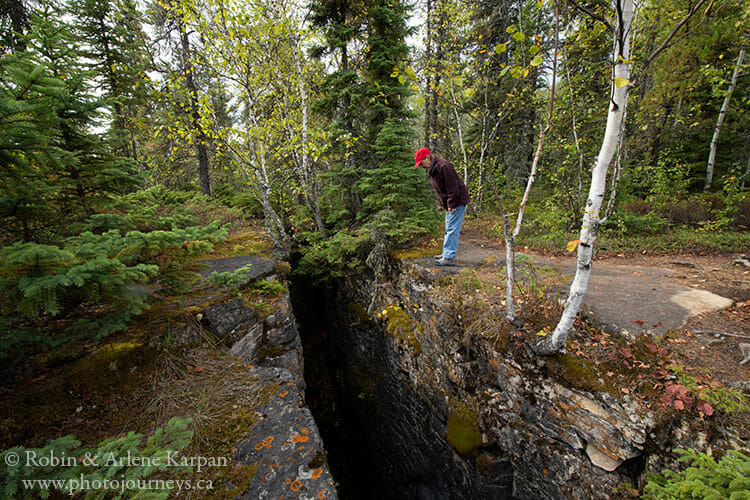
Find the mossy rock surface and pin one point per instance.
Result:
(358, 311)
(580, 373)
(463, 428)
(111, 364)
(400, 326)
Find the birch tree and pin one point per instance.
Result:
(591, 222)
(619, 88)
(720, 122)
(510, 236)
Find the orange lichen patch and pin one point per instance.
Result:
(317, 472)
(283, 394)
(299, 438)
(323, 494)
(288, 481)
(296, 485)
(305, 430)
(266, 443)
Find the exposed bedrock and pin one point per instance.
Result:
(410, 405)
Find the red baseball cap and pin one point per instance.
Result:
(420, 155)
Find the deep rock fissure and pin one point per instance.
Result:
(383, 438)
(411, 403)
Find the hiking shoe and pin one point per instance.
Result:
(437, 257)
(444, 262)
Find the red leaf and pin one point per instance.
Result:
(638, 322)
(678, 404)
(657, 325)
(706, 408)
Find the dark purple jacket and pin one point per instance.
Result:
(451, 190)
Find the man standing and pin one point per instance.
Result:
(452, 195)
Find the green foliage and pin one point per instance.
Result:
(265, 287)
(233, 279)
(99, 271)
(109, 460)
(345, 250)
(705, 478)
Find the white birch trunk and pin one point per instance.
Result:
(510, 237)
(555, 342)
(720, 122)
(310, 191)
(460, 137)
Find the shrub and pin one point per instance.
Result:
(651, 223)
(729, 478)
(95, 465)
(741, 214)
(687, 212)
(101, 271)
(637, 207)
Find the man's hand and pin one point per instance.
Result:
(451, 210)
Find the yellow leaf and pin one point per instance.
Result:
(543, 332)
(621, 82)
(572, 245)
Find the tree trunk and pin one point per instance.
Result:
(619, 97)
(510, 238)
(720, 122)
(460, 133)
(307, 176)
(428, 73)
(201, 150)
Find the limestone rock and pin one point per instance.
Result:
(286, 448)
(221, 319)
(248, 347)
(282, 334)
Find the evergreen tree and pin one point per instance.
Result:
(340, 102)
(395, 196)
(58, 169)
(14, 21)
(114, 43)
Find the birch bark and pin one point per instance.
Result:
(720, 122)
(510, 237)
(555, 342)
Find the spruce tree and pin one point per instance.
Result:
(341, 102)
(396, 198)
(57, 171)
(115, 45)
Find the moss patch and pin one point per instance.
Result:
(400, 326)
(358, 311)
(463, 428)
(245, 241)
(580, 374)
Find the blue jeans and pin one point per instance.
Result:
(453, 221)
